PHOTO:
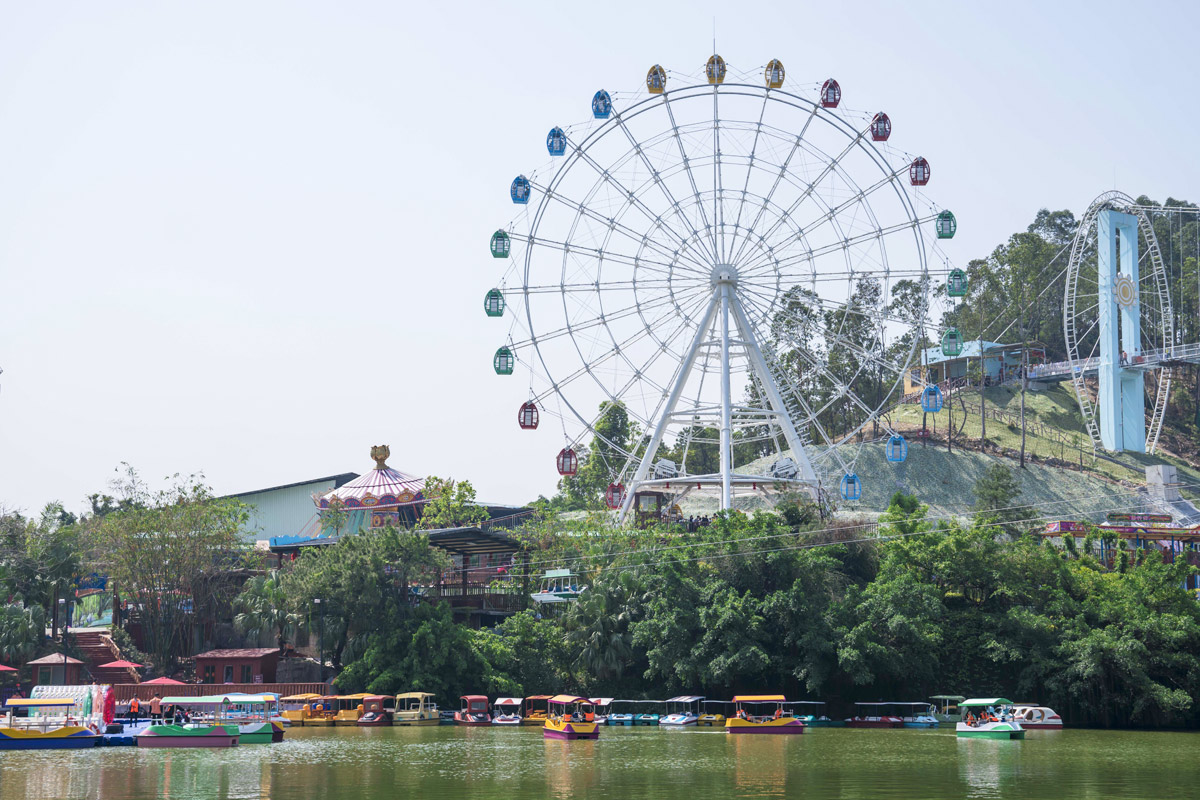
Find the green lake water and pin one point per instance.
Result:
(517, 763)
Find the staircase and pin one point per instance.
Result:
(98, 648)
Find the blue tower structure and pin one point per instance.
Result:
(1122, 390)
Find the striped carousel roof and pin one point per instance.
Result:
(382, 487)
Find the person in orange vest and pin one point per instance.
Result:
(134, 709)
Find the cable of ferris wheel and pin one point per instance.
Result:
(849, 242)
(633, 141)
(749, 170)
(783, 170)
(634, 198)
(666, 104)
(864, 354)
(572, 328)
(767, 307)
(829, 168)
(612, 223)
(948, 517)
(590, 365)
(591, 252)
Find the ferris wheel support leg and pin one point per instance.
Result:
(726, 406)
(681, 377)
(759, 365)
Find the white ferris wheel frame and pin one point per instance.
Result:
(724, 323)
(1154, 279)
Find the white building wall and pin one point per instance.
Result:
(282, 512)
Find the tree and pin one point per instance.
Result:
(450, 504)
(263, 609)
(176, 556)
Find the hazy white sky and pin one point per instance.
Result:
(248, 238)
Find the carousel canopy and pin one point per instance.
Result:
(382, 487)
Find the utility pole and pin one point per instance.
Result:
(1024, 382)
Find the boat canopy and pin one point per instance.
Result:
(471, 698)
(686, 698)
(238, 699)
(760, 698)
(955, 697)
(199, 700)
(300, 698)
(600, 701)
(35, 702)
(508, 701)
(539, 697)
(359, 696)
(986, 701)
(568, 698)
(413, 695)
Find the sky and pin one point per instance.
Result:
(247, 239)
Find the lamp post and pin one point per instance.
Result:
(320, 635)
(61, 618)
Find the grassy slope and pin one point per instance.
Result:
(946, 480)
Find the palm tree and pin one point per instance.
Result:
(264, 609)
(21, 631)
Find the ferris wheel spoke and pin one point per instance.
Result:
(670, 197)
(687, 165)
(830, 168)
(606, 286)
(619, 348)
(862, 195)
(810, 256)
(857, 350)
(570, 329)
(592, 252)
(783, 171)
(643, 240)
(765, 301)
(749, 171)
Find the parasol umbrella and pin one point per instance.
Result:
(163, 682)
(3, 668)
(122, 664)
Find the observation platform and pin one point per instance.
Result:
(1177, 356)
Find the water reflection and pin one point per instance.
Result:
(518, 764)
(760, 764)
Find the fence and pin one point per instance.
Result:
(124, 692)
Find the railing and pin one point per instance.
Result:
(124, 692)
(1147, 359)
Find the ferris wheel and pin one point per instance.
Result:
(1137, 292)
(720, 253)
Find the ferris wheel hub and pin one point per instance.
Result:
(724, 274)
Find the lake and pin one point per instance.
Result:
(516, 763)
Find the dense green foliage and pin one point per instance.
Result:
(905, 610)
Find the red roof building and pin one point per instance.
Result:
(240, 665)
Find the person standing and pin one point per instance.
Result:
(156, 708)
(134, 710)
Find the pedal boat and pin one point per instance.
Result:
(506, 711)
(569, 718)
(711, 719)
(781, 722)
(414, 708)
(45, 730)
(988, 718)
(602, 705)
(536, 709)
(682, 711)
(871, 715)
(374, 715)
(256, 717)
(474, 711)
(1037, 718)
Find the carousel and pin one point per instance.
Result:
(382, 497)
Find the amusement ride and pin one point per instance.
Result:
(737, 260)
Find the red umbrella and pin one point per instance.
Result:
(163, 682)
(119, 665)
(6, 669)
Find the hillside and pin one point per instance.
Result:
(1062, 478)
